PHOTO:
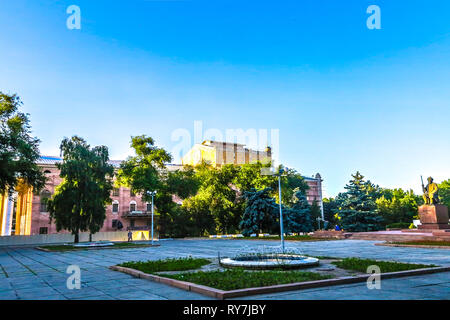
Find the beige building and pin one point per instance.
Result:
(219, 153)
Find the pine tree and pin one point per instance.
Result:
(298, 217)
(357, 207)
(260, 214)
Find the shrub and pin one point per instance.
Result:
(398, 225)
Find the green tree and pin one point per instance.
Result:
(19, 151)
(184, 183)
(141, 173)
(261, 212)
(79, 203)
(291, 182)
(144, 172)
(444, 192)
(249, 177)
(298, 216)
(315, 215)
(198, 214)
(330, 206)
(357, 208)
(219, 195)
(396, 205)
(173, 220)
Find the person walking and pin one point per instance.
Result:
(130, 236)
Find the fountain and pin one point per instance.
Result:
(271, 257)
(93, 244)
(267, 258)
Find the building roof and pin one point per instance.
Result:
(50, 160)
(209, 142)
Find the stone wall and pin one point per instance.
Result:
(61, 238)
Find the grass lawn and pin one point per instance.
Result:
(117, 245)
(425, 243)
(181, 264)
(239, 279)
(361, 265)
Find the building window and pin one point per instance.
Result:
(132, 207)
(116, 192)
(115, 207)
(45, 195)
(149, 207)
(43, 230)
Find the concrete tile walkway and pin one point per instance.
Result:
(26, 273)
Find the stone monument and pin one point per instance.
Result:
(433, 216)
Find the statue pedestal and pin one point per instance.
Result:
(434, 217)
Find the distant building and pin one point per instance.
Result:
(219, 153)
(26, 213)
(314, 193)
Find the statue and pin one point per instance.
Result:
(430, 192)
(433, 216)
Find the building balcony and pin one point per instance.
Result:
(140, 228)
(138, 214)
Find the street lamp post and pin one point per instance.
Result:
(281, 210)
(152, 194)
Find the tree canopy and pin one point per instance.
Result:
(444, 192)
(141, 173)
(19, 151)
(357, 209)
(298, 216)
(261, 213)
(397, 205)
(79, 203)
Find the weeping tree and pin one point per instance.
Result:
(19, 151)
(298, 216)
(261, 212)
(79, 203)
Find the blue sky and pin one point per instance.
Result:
(343, 97)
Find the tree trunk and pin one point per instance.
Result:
(90, 237)
(77, 237)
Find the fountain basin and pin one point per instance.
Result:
(270, 261)
(93, 244)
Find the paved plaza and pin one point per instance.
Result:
(27, 273)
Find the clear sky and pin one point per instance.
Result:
(343, 97)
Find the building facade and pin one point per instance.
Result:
(314, 193)
(219, 153)
(26, 212)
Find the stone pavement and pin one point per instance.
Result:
(27, 273)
